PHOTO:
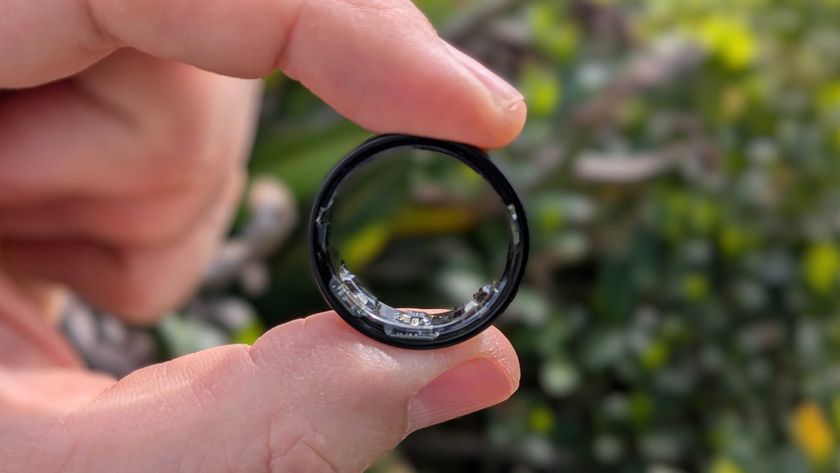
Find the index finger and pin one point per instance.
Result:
(378, 62)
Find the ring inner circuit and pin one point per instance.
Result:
(407, 323)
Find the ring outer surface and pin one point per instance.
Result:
(471, 156)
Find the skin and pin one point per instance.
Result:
(124, 126)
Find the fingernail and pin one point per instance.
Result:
(468, 387)
(505, 95)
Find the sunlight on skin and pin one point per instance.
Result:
(119, 182)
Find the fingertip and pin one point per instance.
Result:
(500, 112)
(484, 371)
(405, 80)
(504, 129)
(456, 107)
(498, 348)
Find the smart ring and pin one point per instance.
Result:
(416, 329)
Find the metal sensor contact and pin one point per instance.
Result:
(411, 328)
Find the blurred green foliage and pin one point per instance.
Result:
(681, 169)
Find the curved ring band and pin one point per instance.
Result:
(413, 328)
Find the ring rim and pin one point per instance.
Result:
(517, 255)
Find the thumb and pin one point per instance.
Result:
(310, 395)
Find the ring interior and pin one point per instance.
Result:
(409, 323)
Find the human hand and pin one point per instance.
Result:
(118, 181)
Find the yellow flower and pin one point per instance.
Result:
(812, 433)
(730, 40)
(821, 266)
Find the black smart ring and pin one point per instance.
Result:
(413, 328)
